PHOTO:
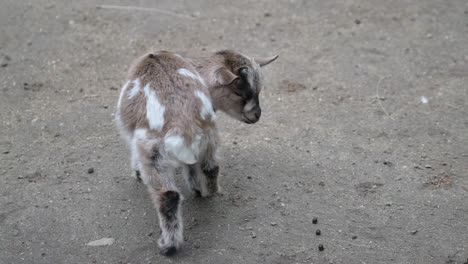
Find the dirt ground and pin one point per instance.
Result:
(364, 126)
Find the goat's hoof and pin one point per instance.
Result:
(168, 251)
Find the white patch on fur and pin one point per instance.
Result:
(154, 109)
(187, 73)
(175, 145)
(249, 105)
(139, 134)
(135, 90)
(124, 88)
(207, 108)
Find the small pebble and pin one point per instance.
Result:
(90, 170)
(318, 232)
(267, 14)
(321, 247)
(388, 163)
(249, 177)
(357, 21)
(428, 166)
(234, 142)
(273, 223)
(414, 232)
(314, 220)
(354, 237)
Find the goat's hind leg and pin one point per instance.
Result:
(158, 175)
(202, 178)
(135, 163)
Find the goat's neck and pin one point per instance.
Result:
(207, 67)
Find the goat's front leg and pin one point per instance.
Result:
(158, 175)
(210, 169)
(209, 165)
(195, 179)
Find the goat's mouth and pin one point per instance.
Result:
(247, 120)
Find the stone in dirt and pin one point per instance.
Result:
(106, 241)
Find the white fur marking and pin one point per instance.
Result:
(154, 110)
(249, 105)
(135, 90)
(187, 73)
(139, 134)
(122, 93)
(176, 146)
(207, 108)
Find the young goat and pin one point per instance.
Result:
(167, 111)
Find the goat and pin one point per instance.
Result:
(166, 112)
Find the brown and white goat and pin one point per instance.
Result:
(167, 112)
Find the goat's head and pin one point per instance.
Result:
(238, 82)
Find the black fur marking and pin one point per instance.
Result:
(138, 175)
(168, 251)
(169, 204)
(155, 157)
(192, 170)
(211, 173)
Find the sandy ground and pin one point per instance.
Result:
(364, 126)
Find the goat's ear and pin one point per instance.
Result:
(225, 77)
(265, 61)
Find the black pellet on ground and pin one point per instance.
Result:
(91, 170)
(314, 220)
(321, 247)
(318, 232)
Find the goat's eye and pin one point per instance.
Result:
(243, 72)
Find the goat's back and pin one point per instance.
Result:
(165, 95)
